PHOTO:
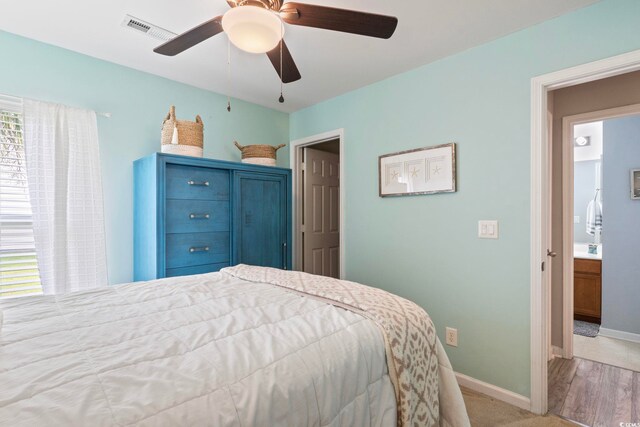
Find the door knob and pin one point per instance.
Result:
(551, 254)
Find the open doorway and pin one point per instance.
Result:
(318, 205)
(542, 192)
(606, 325)
(594, 368)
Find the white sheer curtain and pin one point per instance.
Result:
(65, 187)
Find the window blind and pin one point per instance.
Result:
(19, 273)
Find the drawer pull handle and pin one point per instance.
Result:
(199, 216)
(200, 183)
(202, 249)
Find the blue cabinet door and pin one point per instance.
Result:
(260, 220)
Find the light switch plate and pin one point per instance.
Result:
(488, 229)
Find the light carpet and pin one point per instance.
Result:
(485, 411)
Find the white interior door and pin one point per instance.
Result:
(321, 213)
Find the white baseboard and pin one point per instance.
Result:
(621, 335)
(496, 392)
(557, 351)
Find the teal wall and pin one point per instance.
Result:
(425, 247)
(138, 103)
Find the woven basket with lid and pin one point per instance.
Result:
(182, 136)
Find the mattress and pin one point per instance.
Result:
(205, 350)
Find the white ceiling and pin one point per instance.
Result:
(331, 63)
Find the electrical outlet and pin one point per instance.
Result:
(452, 336)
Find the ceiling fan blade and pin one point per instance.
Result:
(290, 71)
(191, 38)
(346, 21)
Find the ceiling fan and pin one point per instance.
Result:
(256, 26)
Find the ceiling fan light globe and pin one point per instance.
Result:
(252, 28)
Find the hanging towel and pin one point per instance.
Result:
(594, 217)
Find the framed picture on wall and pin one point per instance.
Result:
(427, 170)
(635, 184)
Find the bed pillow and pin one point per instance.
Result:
(0, 320)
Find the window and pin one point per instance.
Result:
(19, 273)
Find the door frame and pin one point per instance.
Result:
(295, 155)
(568, 124)
(541, 204)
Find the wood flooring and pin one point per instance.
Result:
(594, 394)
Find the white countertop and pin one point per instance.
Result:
(581, 250)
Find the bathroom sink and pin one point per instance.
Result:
(581, 250)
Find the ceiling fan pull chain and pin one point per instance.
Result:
(228, 75)
(281, 99)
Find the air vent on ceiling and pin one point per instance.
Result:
(147, 28)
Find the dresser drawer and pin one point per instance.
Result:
(191, 182)
(197, 216)
(190, 249)
(198, 269)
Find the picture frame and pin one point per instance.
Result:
(635, 184)
(426, 170)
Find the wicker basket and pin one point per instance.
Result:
(182, 136)
(259, 154)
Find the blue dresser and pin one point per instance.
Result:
(194, 215)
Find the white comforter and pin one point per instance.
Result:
(199, 350)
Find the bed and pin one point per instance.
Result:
(218, 349)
